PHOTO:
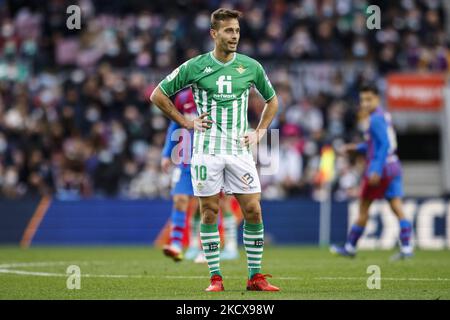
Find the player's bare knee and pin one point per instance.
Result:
(181, 202)
(209, 211)
(252, 211)
(209, 216)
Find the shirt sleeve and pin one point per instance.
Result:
(263, 84)
(378, 133)
(179, 79)
(169, 143)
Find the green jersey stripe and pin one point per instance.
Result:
(207, 132)
(234, 128)
(203, 108)
(197, 103)
(229, 128)
(240, 124)
(217, 120)
(246, 113)
(213, 130)
(244, 101)
(223, 128)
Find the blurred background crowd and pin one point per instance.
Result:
(75, 119)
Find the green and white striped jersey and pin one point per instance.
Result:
(222, 90)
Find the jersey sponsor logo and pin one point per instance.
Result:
(208, 70)
(224, 88)
(224, 82)
(224, 96)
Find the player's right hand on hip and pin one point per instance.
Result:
(202, 123)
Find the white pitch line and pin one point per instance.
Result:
(32, 264)
(51, 274)
(30, 273)
(383, 278)
(6, 269)
(48, 263)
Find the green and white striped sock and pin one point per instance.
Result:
(254, 246)
(209, 235)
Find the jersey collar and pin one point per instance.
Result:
(222, 63)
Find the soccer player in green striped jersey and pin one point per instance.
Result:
(221, 81)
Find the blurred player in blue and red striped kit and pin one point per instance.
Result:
(178, 150)
(382, 177)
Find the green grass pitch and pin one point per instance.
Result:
(144, 273)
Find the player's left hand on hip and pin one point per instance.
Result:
(252, 138)
(374, 179)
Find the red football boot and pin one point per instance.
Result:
(216, 284)
(259, 283)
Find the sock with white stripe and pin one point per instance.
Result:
(254, 246)
(195, 228)
(209, 235)
(229, 223)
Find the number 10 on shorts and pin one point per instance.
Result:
(200, 172)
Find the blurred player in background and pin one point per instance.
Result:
(182, 193)
(221, 80)
(382, 177)
(177, 148)
(230, 216)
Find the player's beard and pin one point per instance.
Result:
(228, 48)
(232, 48)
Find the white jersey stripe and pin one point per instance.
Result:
(212, 140)
(204, 106)
(197, 103)
(223, 132)
(243, 117)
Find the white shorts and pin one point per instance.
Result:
(233, 173)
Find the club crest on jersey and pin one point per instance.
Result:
(240, 69)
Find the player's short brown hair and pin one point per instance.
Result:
(369, 87)
(223, 14)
